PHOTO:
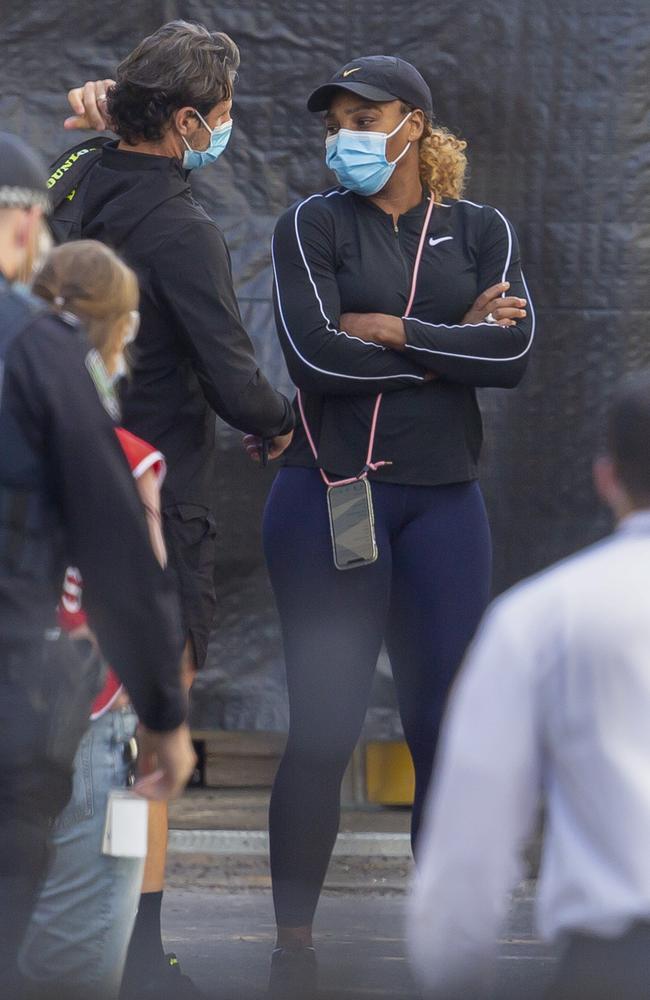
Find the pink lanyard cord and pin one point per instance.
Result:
(418, 257)
(371, 466)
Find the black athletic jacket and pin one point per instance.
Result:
(67, 496)
(192, 357)
(337, 252)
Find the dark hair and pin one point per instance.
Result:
(180, 64)
(629, 435)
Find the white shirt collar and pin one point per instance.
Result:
(637, 523)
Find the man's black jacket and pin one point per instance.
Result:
(192, 357)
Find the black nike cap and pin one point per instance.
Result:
(23, 177)
(377, 78)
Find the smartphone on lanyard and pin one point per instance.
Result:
(352, 524)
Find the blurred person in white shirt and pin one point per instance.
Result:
(552, 706)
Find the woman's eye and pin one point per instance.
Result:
(331, 129)
(365, 122)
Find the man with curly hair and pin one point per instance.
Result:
(170, 108)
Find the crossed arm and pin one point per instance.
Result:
(389, 331)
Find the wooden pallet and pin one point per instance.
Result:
(251, 759)
(239, 759)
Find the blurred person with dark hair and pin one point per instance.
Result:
(553, 702)
(66, 495)
(171, 109)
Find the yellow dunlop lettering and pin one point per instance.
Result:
(60, 171)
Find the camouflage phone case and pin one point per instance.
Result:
(352, 524)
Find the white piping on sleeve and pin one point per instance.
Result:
(509, 257)
(324, 371)
(505, 222)
(461, 326)
(328, 325)
(464, 326)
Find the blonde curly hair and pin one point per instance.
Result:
(443, 163)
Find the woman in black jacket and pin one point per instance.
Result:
(394, 299)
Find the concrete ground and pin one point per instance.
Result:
(218, 912)
(247, 809)
(224, 940)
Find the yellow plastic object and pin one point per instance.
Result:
(390, 778)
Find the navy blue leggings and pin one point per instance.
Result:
(424, 596)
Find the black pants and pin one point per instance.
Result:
(593, 968)
(46, 689)
(191, 540)
(424, 595)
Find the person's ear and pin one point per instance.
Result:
(186, 121)
(416, 126)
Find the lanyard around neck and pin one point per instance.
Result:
(371, 466)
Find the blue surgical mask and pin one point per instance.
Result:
(359, 158)
(219, 137)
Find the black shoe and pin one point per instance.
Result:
(177, 985)
(294, 974)
(168, 983)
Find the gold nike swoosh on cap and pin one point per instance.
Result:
(346, 72)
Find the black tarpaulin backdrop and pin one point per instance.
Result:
(553, 100)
